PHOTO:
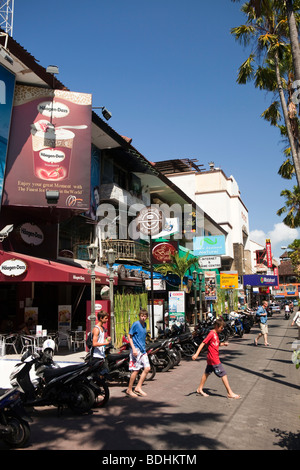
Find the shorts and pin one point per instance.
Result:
(218, 369)
(138, 362)
(264, 328)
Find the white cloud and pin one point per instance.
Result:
(281, 235)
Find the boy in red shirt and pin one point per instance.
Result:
(213, 360)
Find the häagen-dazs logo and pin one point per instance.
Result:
(53, 108)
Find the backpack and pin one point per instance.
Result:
(89, 340)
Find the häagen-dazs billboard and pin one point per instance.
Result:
(49, 148)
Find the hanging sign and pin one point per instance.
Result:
(229, 280)
(161, 252)
(13, 267)
(150, 221)
(210, 262)
(210, 285)
(31, 234)
(209, 245)
(269, 253)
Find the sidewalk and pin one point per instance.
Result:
(174, 417)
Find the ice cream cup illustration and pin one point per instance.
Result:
(52, 150)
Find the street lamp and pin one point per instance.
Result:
(200, 275)
(195, 296)
(111, 258)
(93, 253)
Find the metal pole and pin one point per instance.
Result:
(111, 298)
(152, 294)
(195, 300)
(93, 296)
(200, 295)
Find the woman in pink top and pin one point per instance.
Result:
(213, 360)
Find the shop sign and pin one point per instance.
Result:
(210, 285)
(13, 267)
(158, 284)
(258, 280)
(31, 234)
(176, 307)
(269, 253)
(209, 245)
(161, 252)
(229, 280)
(150, 221)
(210, 262)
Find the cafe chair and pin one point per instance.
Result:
(78, 339)
(2, 345)
(26, 343)
(63, 339)
(38, 343)
(11, 342)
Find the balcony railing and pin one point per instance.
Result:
(127, 250)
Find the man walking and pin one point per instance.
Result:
(138, 356)
(263, 318)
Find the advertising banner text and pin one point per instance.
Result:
(49, 148)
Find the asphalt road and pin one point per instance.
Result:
(174, 418)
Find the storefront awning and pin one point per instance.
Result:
(17, 267)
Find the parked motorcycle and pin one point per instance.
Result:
(53, 385)
(97, 381)
(118, 365)
(185, 340)
(176, 350)
(14, 422)
(160, 356)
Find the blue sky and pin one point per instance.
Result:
(166, 70)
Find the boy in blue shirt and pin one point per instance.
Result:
(138, 356)
(263, 317)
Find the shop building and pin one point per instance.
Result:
(71, 180)
(219, 196)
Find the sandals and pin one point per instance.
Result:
(131, 394)
(140, 394)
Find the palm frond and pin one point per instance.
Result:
(272, 113)
(246, 70)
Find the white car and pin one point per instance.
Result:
(274, 308)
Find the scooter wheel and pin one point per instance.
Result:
(20, 433)
(82, 399)
(189, 349)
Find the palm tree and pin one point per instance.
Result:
(291, 6)
(178, 266)
(266, 27)
(294, 256)
(292, 207)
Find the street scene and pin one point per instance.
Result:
(174, 417)
(149, 228)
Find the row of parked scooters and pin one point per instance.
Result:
(37, 380)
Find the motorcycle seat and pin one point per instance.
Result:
(154, 345)
(117, 356)
(51, 373)
(184, 336)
